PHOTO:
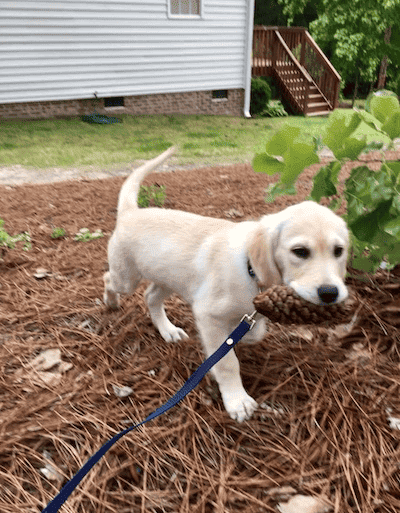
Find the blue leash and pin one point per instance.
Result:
(237, 334)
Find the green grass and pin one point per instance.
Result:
(360, 103)
(199, 139)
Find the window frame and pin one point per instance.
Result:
(185, 16)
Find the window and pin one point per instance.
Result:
(185, 7)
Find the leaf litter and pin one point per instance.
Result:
(74, 374)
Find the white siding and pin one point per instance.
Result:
(66, 49)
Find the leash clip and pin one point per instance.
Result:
(249, 319)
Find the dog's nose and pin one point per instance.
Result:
(328, 293)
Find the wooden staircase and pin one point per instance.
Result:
(306, 78)
(317, 105)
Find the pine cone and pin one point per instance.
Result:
(281, 304)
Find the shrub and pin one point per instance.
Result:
(275, 109)
(260, 96)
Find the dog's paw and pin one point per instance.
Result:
(239, 405)
(111, 300)
(173, 334)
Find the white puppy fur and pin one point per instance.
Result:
(206, 261)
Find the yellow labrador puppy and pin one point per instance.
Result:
(217, 266)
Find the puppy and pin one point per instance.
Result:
(218, 267)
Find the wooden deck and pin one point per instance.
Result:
(305, 76)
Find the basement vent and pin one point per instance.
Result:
(220, 94)
(115, 101)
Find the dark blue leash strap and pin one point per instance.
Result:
(245, 325)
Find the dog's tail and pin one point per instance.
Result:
(130, 189)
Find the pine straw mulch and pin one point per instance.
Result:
(325, 428)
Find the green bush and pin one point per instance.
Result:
(260, 96)
(274, 109)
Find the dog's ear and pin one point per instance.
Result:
(261, 251)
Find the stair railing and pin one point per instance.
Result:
(305, 51)
(310, 55)
(294, 80)
(262, 50)
(321, 70)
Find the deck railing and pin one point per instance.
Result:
(294, 46)
(294, 81)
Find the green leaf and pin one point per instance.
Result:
(297, 157)
(365, 227)
(365, 189)
(382, 106)
(335, 204)
(369, 120)
(394, 166)
(373, 146)
(351, 149)
(363, 264)
(340, 126)
(383, 242)
(279, 189)
(394, 171)
(264, 163)
(324, 182)
(393, 228)
(393, 255)
(280, 142)
(392, 125)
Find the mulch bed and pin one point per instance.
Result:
(331, 397)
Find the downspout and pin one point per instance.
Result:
(248, 57)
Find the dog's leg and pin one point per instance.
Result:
(111, 297)
(123, 276)
(155, 296)
(124, 281)
(237, 401)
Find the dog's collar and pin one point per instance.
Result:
(253, 276)
(250, 270)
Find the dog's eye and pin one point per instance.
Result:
(301, 252)
(338, 251)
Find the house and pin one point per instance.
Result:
(135, 56)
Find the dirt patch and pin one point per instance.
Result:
(328, 426)
(20, 175)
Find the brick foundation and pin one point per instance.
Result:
(198, 102)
